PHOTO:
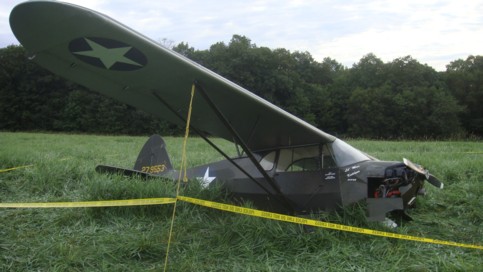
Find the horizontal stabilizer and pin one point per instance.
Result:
(106, 169)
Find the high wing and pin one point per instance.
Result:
(102, 54)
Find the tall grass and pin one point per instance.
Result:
(135, 238)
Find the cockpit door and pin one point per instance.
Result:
(308, 177)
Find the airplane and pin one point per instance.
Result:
(286, 165)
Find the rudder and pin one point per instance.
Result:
(153, 157)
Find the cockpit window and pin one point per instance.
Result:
(312, 158)
(289, 157)
(345, 154)
(268, 161)
(327, 158)
(307, 164)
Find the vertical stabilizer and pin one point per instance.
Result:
(153, 158)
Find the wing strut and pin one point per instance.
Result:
(244, 146)
(203, 136)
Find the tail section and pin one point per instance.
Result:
(153, 158)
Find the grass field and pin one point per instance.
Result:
(135, 238)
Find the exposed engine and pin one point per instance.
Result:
(394, 178)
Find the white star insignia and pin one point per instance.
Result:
(206, 179)
(108, 56)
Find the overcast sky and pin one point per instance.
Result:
(433, 32)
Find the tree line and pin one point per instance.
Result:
(401, 99)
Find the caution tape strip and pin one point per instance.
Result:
(15, 168)
(316, 223)
(238, 210)
(87, 204)
(25, 166)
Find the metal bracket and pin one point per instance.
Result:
(245, 147)
(203, 136)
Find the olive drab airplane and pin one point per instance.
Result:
(286, 165)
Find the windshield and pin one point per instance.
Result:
(345, 154)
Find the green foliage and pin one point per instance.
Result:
(29, 96)
(419, 112)
(32, 98)
(398, 99)
(401, 99)
(135, 238)
(465, 81)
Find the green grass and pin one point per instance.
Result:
(135, 238)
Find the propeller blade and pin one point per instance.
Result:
(418, 168)
(435, 182)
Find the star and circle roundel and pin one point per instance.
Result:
(107, 54)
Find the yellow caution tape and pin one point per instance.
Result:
(316, 223)
(235, 209)
(15, 168)
(86, 204)
(26, 166)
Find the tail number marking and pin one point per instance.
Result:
(153, 169)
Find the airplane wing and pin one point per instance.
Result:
(104, 55)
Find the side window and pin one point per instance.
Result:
(268, 161)
(327, 158)
(299, 159)
(307, 164)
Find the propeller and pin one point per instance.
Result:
(419, 169)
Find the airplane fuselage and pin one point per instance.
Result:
(309, 180)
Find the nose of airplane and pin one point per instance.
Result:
(419, 169)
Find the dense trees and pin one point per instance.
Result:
(399, 99)
(465, 82)
(31, 98)
(402, 98)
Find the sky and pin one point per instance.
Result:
(433, 32)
